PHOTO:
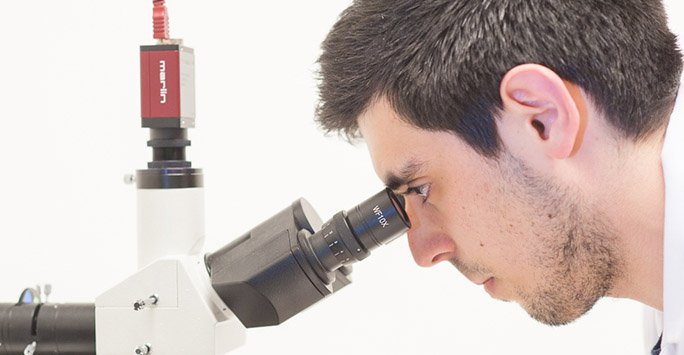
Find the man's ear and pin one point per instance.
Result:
(539, 112)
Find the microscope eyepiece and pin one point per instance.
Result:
(350, 235)
(379, 220)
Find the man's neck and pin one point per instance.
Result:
(638, 215)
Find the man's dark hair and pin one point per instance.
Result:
(440, 62)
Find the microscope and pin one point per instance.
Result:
(183, 300)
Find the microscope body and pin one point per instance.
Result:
(201, 304)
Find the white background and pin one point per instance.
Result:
(69, 106)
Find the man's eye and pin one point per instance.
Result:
(422, 191)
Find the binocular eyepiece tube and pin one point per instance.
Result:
(292, 260)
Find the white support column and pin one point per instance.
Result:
(170, 222)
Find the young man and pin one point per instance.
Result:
(535, 141)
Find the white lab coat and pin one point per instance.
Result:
(672, 156)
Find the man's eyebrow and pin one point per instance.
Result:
(405, 175)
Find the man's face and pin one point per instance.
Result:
(525, 237)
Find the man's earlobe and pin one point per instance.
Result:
(539, 111)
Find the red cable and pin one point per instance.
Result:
(160, 18)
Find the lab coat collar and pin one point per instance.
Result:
(673, 258)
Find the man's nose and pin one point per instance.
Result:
(428, 242)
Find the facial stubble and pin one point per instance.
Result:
(575, 250)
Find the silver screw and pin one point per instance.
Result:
(143, 349)
(129, 179)
(142, 304)
(30, 349)
(48, 290)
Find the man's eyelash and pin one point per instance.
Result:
(421, 190)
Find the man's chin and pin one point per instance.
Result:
(555, 316)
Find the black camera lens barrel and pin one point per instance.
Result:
(56, 328)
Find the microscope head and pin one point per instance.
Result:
(292, 260)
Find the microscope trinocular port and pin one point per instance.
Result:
(292, 260)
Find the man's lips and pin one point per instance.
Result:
(480, 281)
(487, 282)
(489, 286)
